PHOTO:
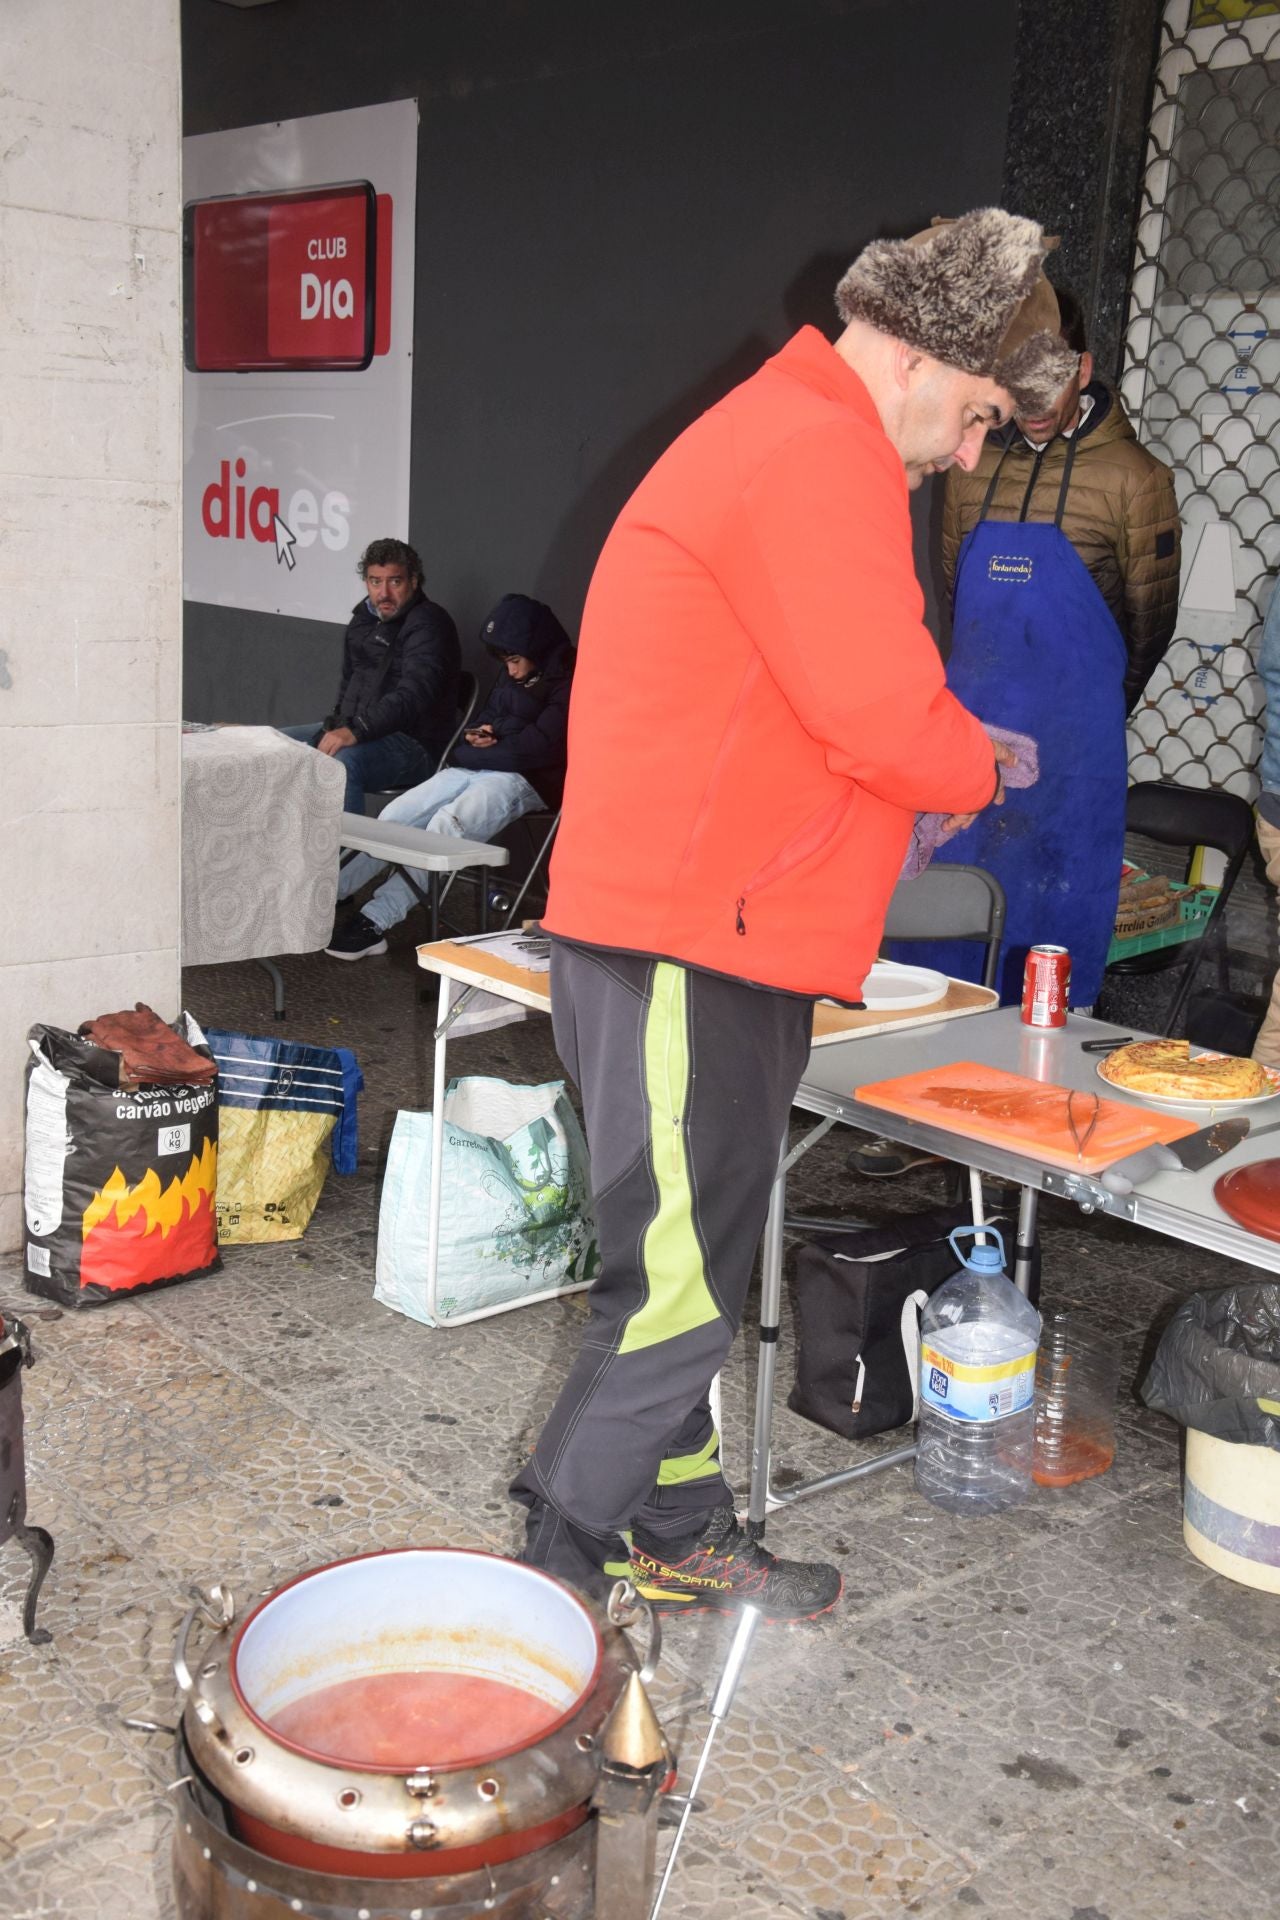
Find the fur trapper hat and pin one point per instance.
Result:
(971, 293)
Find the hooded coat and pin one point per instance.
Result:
(400, 676)
(1121, 517)
(530, 717)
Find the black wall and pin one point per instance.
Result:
(1082, 84)
(622, 208)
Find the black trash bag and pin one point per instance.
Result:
(1217, 1367)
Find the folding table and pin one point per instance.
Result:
(419, 850)
(1178, 1204)
(464, 963)
(260, 820)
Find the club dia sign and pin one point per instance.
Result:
(298, 344)
(288, 281)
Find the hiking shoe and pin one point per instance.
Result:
(884, 1159)
(358, 939)
(725, 1570)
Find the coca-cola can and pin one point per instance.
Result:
(1044, 987)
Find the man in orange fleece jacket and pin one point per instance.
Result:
(736, 814)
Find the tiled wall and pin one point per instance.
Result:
(90, 555)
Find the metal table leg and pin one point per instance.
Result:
(439, 1083)
(770, 1317)
(277, 982)
(763, 1497)
(38, 1545)
(1028, 1207)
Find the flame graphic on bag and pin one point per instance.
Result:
(133, 1235)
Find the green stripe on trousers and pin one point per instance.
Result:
(679, 1298)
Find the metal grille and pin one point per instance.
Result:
(1201, 367)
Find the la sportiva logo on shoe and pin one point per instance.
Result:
(658, 1570)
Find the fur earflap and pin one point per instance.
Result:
(955, 291)
(1036, 371)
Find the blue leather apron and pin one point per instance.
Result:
(1036, 648)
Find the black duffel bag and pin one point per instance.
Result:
(858, 1317)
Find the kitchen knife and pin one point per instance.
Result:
(1188, 1155)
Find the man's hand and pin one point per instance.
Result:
(335, 740)
(957, 822)
(481, 737)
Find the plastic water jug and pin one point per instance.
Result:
(978, 1339)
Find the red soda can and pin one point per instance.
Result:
(1044, 987)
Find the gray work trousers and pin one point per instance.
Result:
(686, 1081)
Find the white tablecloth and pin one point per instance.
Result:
(260, 822)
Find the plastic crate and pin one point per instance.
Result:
(1194, 908)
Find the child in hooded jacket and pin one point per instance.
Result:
(510, 761)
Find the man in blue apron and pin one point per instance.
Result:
(1061, 550)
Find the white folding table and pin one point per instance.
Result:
(464, 964)
(260, 818)
(459, 963)
(420, 849)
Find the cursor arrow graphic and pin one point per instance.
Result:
(285, 541)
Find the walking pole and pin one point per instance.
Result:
(720, 1706)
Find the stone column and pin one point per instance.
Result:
(90, 527)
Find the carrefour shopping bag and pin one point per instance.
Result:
(515, 1202)
(118, 1183)
(286, 1110)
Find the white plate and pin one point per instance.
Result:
(891, 988)
(1211, 1108)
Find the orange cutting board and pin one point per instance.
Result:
(1025, 1116)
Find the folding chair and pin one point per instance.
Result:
(529, 841)
(950, 903)
(1189, 817)
(942, 903)
(468, 694)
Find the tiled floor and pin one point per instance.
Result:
(1056, 1714)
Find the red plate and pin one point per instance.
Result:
(1251, 1195)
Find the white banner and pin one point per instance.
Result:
(299, 242)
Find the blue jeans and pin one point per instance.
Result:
(396, 761)
(458, 800)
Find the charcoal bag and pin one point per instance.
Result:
(859, 1293)
(118, 1186)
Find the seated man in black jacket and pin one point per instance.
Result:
(510, 761)
(397, 701)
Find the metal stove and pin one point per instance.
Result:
(15, 1357)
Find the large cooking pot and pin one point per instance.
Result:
(408, 1714)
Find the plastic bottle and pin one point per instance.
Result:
(978, 1338)
(1076, 1378)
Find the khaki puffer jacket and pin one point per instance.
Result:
(1121, 517)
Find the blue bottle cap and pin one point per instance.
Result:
(984, 1258)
